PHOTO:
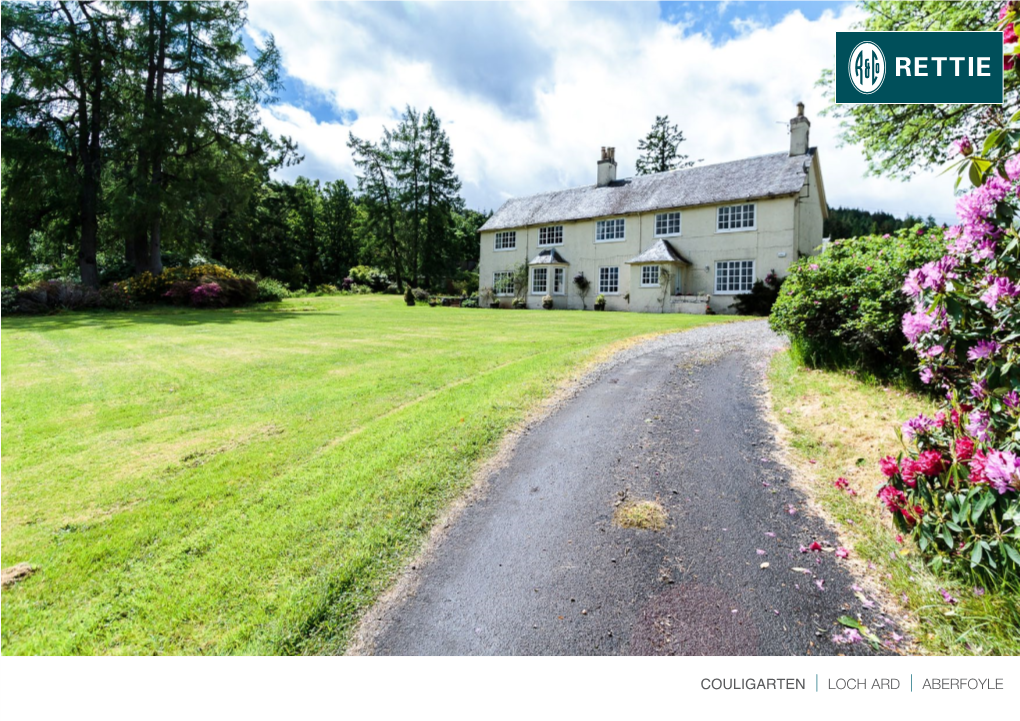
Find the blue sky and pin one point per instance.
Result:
(529, 92)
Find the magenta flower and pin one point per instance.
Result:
(926, 375)
(848, 637)
(842, 552)
(977, 425)
(1002, 469)
(916, 324)
(983, 349)
(947, 596)
(963, 147)
(998, 288)
(1011, 400)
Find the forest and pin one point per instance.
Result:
(132, 143)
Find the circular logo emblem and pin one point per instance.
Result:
(867, 67)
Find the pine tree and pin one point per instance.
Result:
(377, 185)
(442, 199)
(56, 59)
(660, 148)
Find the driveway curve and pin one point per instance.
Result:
(537, 565)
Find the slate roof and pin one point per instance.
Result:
(548, 257)
(661, 252)
(765, 176)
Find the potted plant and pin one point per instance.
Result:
(408, 296)
(600, 302)
(520, 303)
(547, 301)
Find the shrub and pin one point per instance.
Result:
(393, 289)
(469, 303)
(327, 289)
(762, 296)
(9, 300)
(346, 283)
(47, 296)
(956, 488)
(370, 277)
(519, 303)
(114, 297)
(843, 307)
(600, 302)
(547, 301)
(270, 290)
(408, 296)
(149, 288)
(420, 295)
(583, 285)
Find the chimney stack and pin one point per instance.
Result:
(607, 167)
(799, 128)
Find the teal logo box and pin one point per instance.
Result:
(919, 67)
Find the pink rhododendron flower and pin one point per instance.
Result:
(998, 288)
(842, 552)
(964, 449)
(963, 147)
(888, 466)
(946, 596)
(930, 463)
(848, 637)
(917, 324)
(1013, 167)
(977, 425)
(983, 349)
(1002, 469)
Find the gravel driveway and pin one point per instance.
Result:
(537, 565)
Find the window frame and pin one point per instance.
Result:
(658, 275)
(739, 290)
(495, 283)
(501, 235)
(562, 274)
(550, 229)
(667, 234)
(545, 272)
(741, 229)
(617, 222)
(609, 292)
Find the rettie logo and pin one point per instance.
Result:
(867, 67)
(903, 67)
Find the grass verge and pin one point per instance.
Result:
(837, 426)
(248, 481)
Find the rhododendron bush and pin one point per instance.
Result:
(956, 486)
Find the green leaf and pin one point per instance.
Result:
(1012, 553)
(850, 621)
(975, 555)
(975, 175)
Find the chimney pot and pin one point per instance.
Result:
(800, 126)
(607, 167)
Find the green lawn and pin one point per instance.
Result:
(248, 481)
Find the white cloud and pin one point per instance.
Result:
(528, 93)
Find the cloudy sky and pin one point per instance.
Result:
(529, 92)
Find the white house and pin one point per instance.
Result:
(674, 241)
